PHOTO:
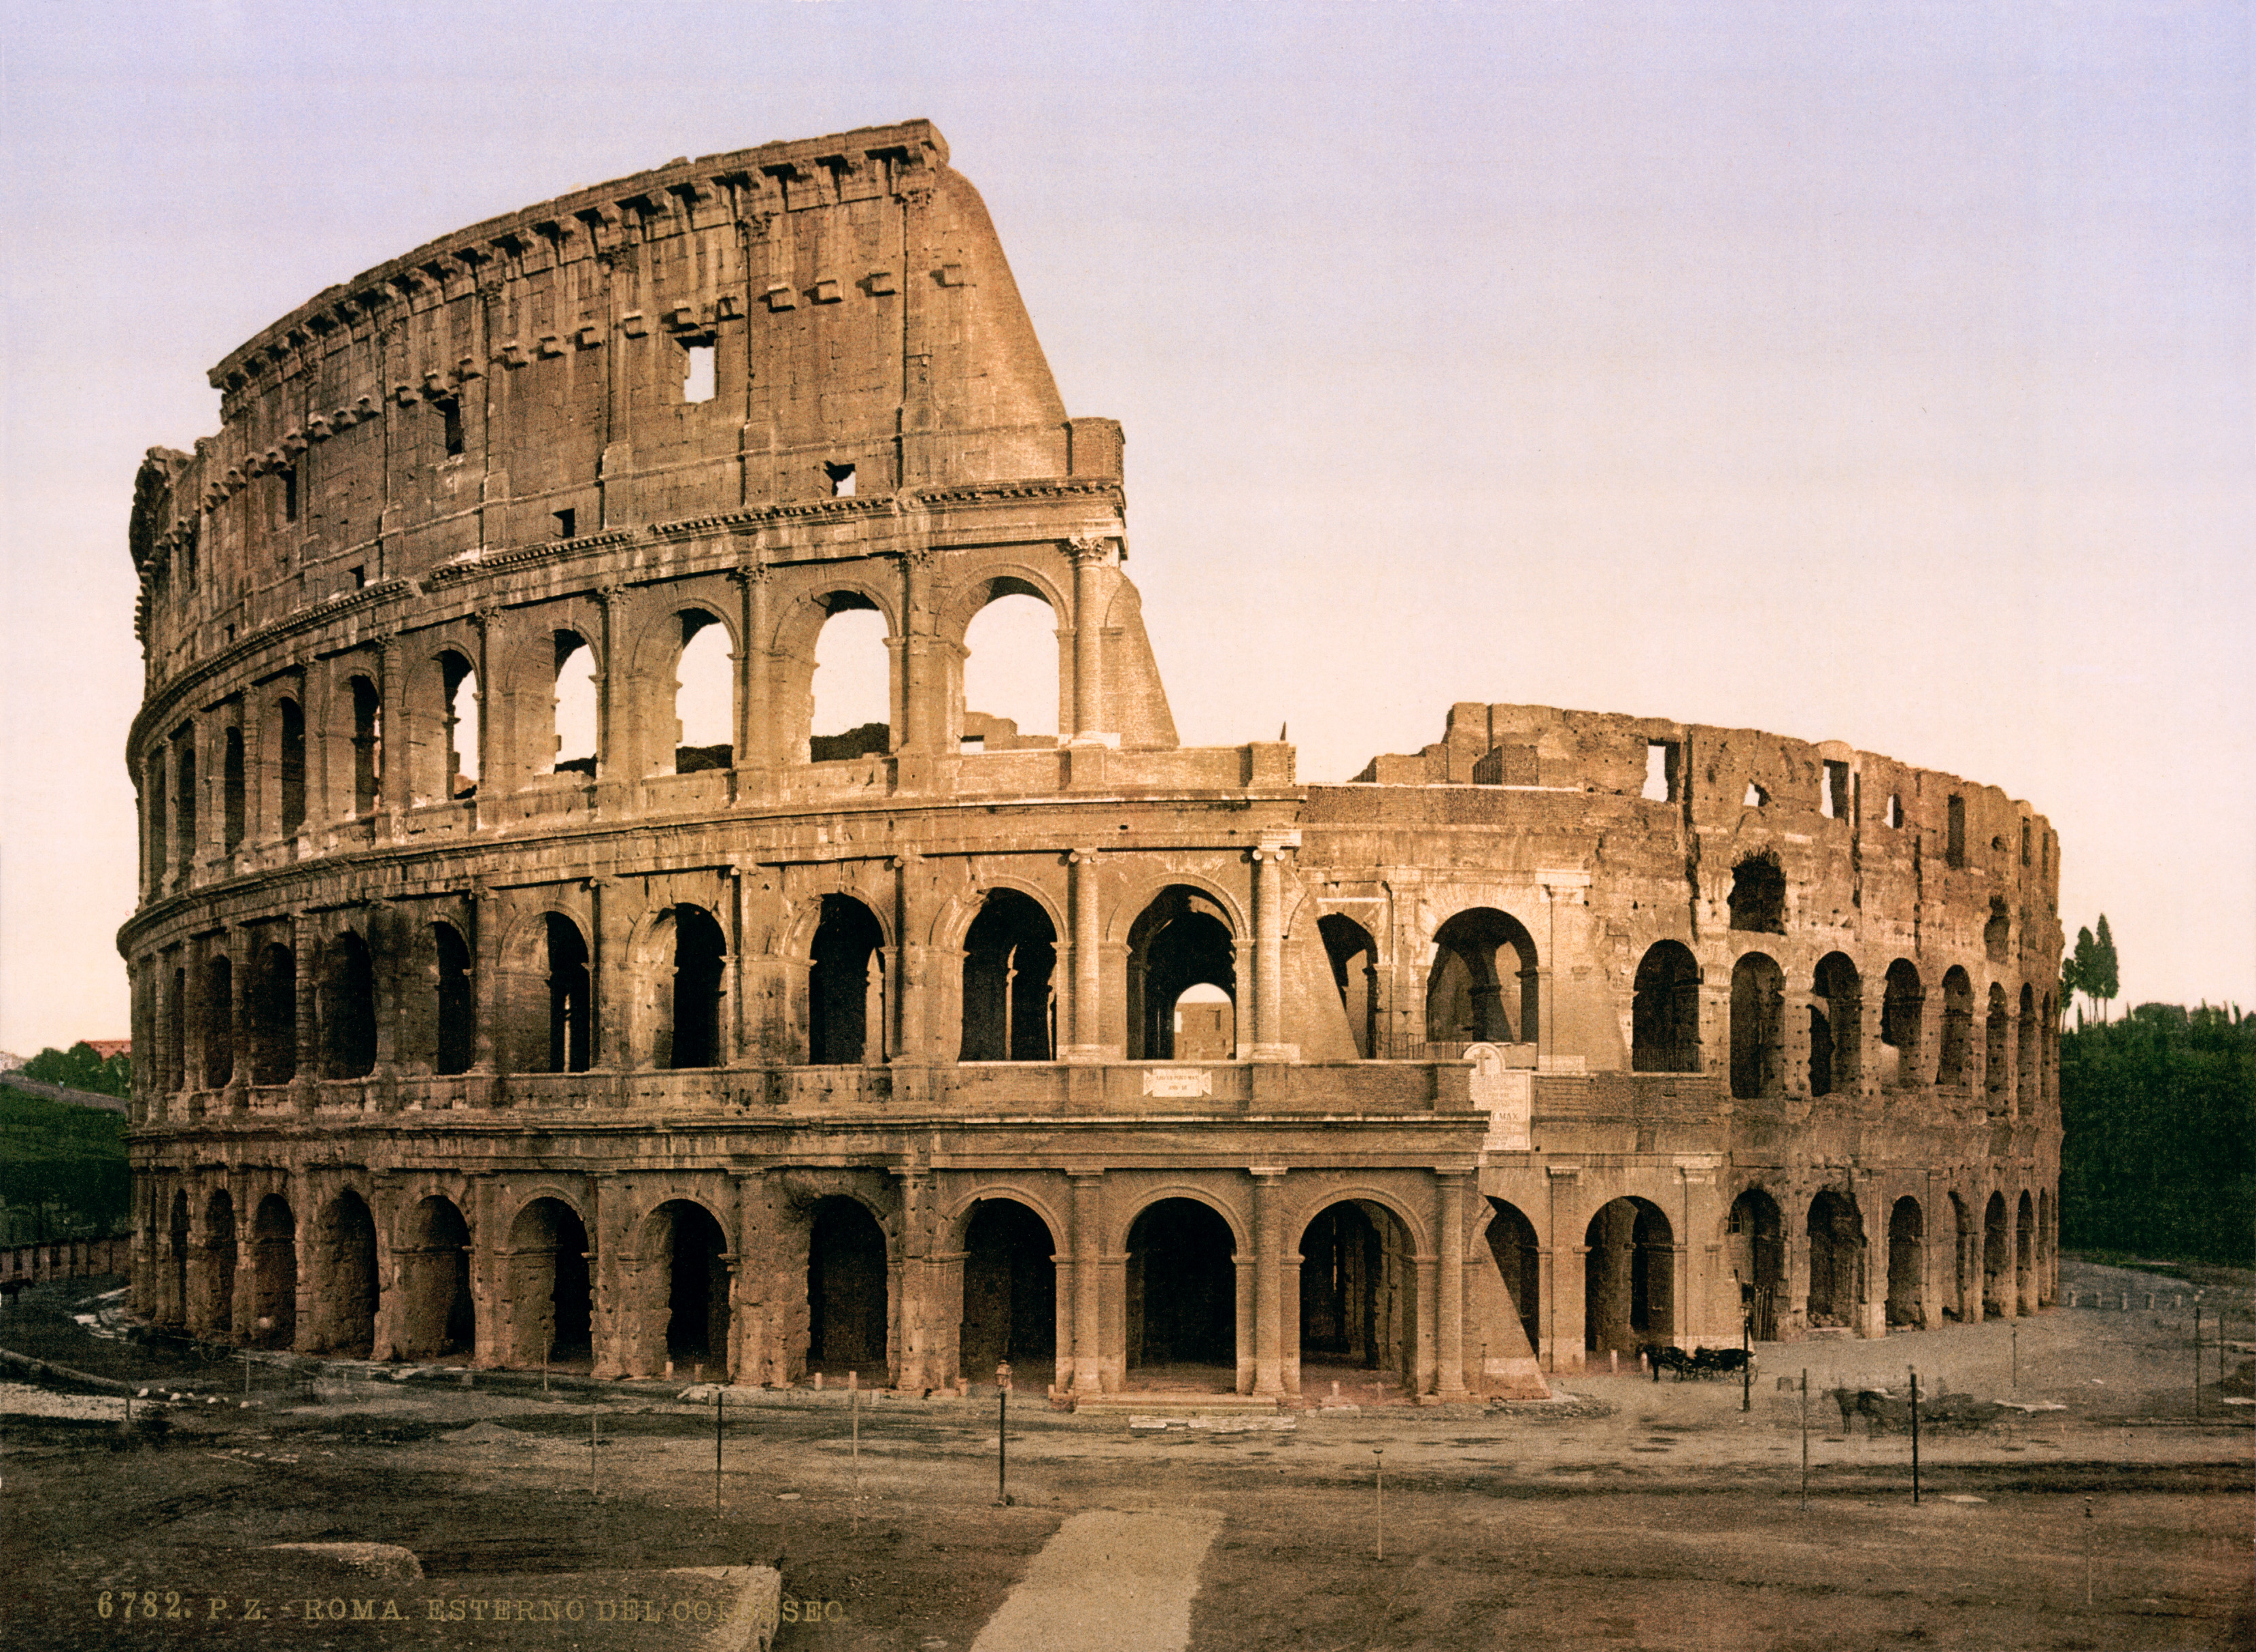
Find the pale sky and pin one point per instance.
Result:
(1868, 372)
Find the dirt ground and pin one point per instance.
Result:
(1627, 1514)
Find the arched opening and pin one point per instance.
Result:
(184, 800)
(218, 1020)
(231, 788)
(567, 995)
(1950, 1066)
(458, 684)
(349, 1291)
(366, 744)
(1011, 670)
(1836, 1260)
(846, 986)
(1629, 1278)
(1182, 1297)
(1182, 939)
(691, 1037)
(273, 1015)
(2048, 1245)
(1906, 1265)
(1757, 1235)
(683, 1238)
(176, 1032)
(346, 1008)
(1475, 993)
(1965, 1304)
(551, 1294)
(704, 697)
(273, 1273)
(217, 1317)
(437, 1315)
(1358, 1294)
(175, 1307)
(2025, 1053)
(1665, 1011)
(1902, 1004)
(159, 815)
(1206, 1024)
(848, 1300)
(2047, 1054)
(851, 712)
(1757, 1007)
(1996, 1259)
(1009, 953)
(1010, 1291)
(577, 717)
(1355, 971)
(1520, 1263)
(1996, 931)
(1835, 1025)
(2025, 1256)
(290, 766)
(1996, 1039)
(457, 1042)
(1758, 897)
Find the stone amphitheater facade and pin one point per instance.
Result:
(815, 1051)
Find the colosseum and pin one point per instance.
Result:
(928, 1046)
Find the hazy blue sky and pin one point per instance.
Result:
(1871, 372)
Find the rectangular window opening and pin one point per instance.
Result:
(2025, 843)
(1659, 772)
(972, 744)
(568, 523)
(697, 369)
(450, 415)
(842, 480)
(1955, 843)
(359, 577)
(1833, 801)
(290, 494)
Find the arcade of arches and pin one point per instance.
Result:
(1218, 1281)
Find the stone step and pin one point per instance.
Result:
(1145, 1402)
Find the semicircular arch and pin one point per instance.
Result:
(1240, 1227)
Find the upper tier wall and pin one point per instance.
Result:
(542, 376)
(1909, 826)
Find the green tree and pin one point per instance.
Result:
(2083, 964)
(2071, 983)
(2111, 976)
(80, 1068)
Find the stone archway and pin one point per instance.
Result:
(848, 1298)
(1182, 1297)
(1358, 1295)
(437, 1315)
(551, 1294)
(1908, 1265)
(1629, 1278)
(1010, 1291)
(273, 1273)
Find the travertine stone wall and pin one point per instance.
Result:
(1568, 1032)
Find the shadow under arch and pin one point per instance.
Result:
(1010, 1291)
(1182, 1308)
(1182, 938)
(1629, 1277)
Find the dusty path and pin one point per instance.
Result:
(1108, 1582)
